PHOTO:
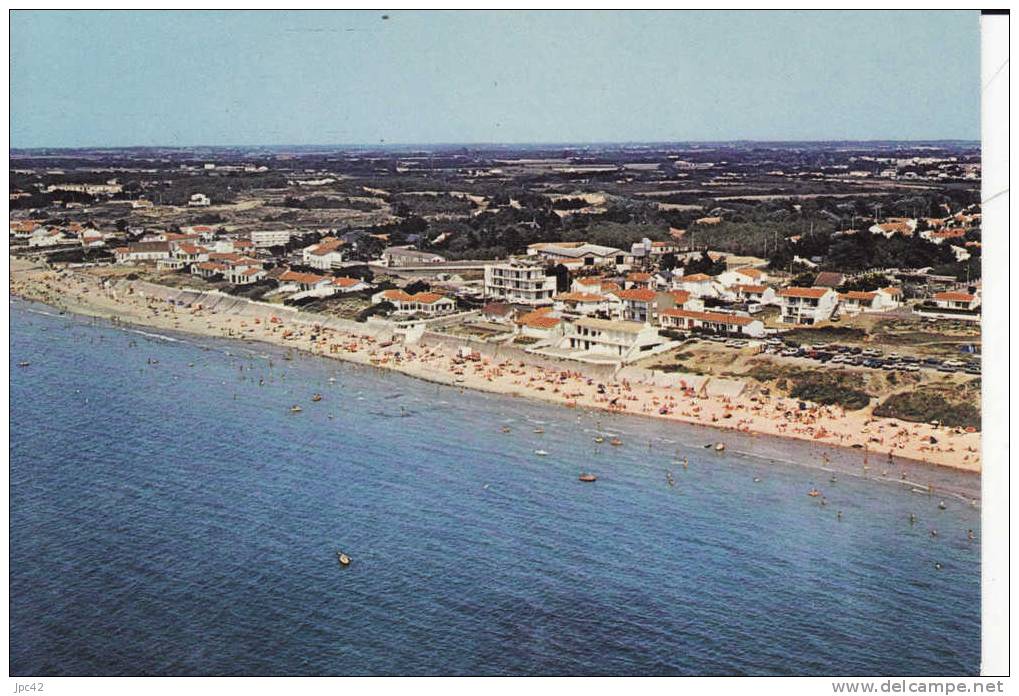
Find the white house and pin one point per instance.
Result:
(624, 341)
(199, 200)
(891, 297)
(142, 251)
(520, 282)
(715, 321)
(430, 303)
(881, 300)
(643, 304)
(244, 275)
(956, 300)
(594, 284)
(45, 236)
(183, 254)
(581, 303)
(209, 269)
(856, 301)
(699, 285)
(326, 255)
(743, 276)
(540, 324)
(302, 282)
(807, 305)
(756, 294)
(890, 228)
(344, 284)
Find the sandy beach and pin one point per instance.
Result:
(880, 441)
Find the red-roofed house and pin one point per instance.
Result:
(209, 269)
(743, 276)
(643, 305)
(581, 303)
(302, 282)
(755, 294)
(540, 324)
(956, 300)
(142, 251)
(856, 301)
(699, 285)
(891, 297)
(344, 284)
(714, 321)
(325, 255)
(430, 303)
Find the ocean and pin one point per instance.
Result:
(169, 515)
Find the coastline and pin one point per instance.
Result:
(853, 434)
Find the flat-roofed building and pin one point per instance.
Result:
(624, 341)
(263, 239)
(520, 282)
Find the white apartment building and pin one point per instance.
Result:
(624, 341)
(519, 282)
(270, 238)
(807, 305)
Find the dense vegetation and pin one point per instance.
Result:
(953, 406)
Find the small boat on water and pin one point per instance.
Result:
(833, 479)
(24, 363)
(814, 493)
(539, 430)
(720, 447)
(505, 428)
(599, 439)
(316, 397)
(588, 478)
(541, 453)
(296, 409)
(342, 558)
(615, 442)
(941, 505)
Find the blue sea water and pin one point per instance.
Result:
(175, 518)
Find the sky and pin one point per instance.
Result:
(132, 78)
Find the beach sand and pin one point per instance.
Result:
(880, 441)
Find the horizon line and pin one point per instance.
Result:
(497, 144)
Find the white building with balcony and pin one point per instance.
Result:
(519, 282)
(623, 341)
(263, 239)
(807, 305)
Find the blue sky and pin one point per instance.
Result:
(248, 78)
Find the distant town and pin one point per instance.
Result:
(748, 263)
